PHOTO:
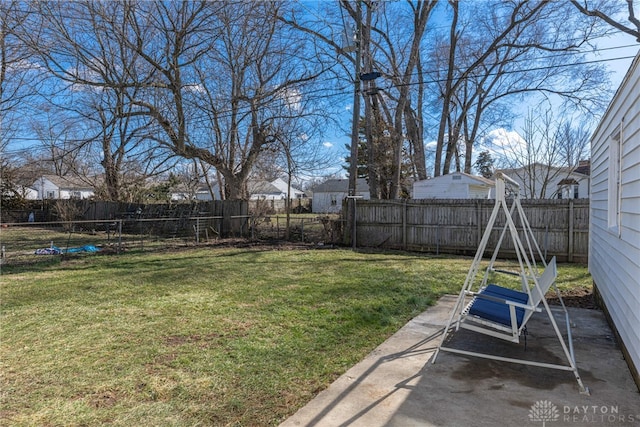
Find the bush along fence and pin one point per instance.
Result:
(561, 227)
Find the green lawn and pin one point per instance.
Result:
(204, 336)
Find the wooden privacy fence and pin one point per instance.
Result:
(561, 227)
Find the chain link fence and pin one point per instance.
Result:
(31, 243)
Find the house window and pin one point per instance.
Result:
(51, 194)
(576, 192)
(76, 194)
(614, 178)
(334, 200)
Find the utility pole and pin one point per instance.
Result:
(353, 165)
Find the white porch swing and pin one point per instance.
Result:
(502, 312)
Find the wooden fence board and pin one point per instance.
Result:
(561, 227)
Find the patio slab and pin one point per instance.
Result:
(397, 385)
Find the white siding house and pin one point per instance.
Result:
(614, 236)
(540, 181)
(457, 185)
(328, 196)
(258, 190)
(181, 194)
(272, 190)
(57, 187)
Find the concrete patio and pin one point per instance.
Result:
(397, 385)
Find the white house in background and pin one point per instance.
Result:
(57, 187)
(540, 181)
(457, 185)
(258, 190)
(22, 191)
(201, 193)
(614, 236)
(30, 193)
(328, 196)
(272, 190)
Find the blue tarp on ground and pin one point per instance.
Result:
(53, 250)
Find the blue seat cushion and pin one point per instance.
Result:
(497, 311)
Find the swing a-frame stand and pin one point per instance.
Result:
(502, 312)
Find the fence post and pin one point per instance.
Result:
(479, 227)
(119, 235)
(570, 239)
(404, 224)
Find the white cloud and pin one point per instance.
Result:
(194, 87)
(292, 98)
(24, 65)
(327, 144)
(502, 140)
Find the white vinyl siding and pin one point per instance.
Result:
(452, 186)
(614, 237)
(613, 207)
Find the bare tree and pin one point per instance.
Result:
(517, 49)
(396, 111)
(58, 136)
(550, 148)
(19, 76)
(250, 87)
(610, 11)
(87, 109)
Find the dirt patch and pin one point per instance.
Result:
(103, 399)
(579, 298)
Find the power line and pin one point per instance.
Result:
(541, 68)
(341, 92)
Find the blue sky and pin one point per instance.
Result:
(616, 51)
(610, 49)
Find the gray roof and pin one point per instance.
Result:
(340, 186)
(263, 187)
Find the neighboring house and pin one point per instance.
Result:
(22, 191)
(273, 190)
(540, 181)
(30, 193)
(282, 185)
(258, 190)
(201, 193)
(328, 196)
(457, 185)
(614, 237)
(57, 187)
